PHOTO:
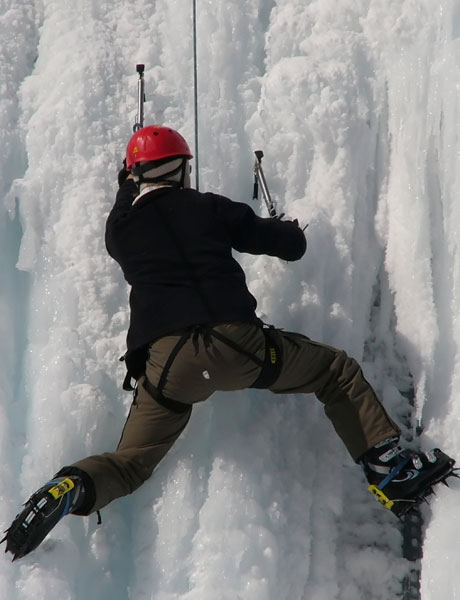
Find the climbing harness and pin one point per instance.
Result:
(270, 365)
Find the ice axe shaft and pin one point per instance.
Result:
(259, 177)
(140, 99)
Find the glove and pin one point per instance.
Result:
(123, 174)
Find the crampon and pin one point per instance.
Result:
(401, 479)
(44, 509)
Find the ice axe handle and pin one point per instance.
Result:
(255, 193)
(259, 177)
(140, 99)
(259, 155)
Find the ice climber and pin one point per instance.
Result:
(194, 330)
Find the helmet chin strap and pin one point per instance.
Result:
(184, 172)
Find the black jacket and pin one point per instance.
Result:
(175, 249)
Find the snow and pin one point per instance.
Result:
(355, 105)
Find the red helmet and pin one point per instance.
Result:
(153, 143)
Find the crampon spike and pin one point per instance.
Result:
(429, 492)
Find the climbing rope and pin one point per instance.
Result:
(195, 97)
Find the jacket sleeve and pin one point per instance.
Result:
(123, 203)
(256, 235)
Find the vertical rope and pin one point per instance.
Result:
(195, 97)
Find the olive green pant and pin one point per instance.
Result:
(205, 365)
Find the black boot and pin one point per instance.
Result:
(401, 478)
(42, 512)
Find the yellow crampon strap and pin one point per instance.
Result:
(380, 496)
(61, 488)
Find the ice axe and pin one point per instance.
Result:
(260, 177)
(140, 99)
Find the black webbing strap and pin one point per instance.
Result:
(135, 366)
(173, 405)
(171, 358)
(127, 385)
(157, 392)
